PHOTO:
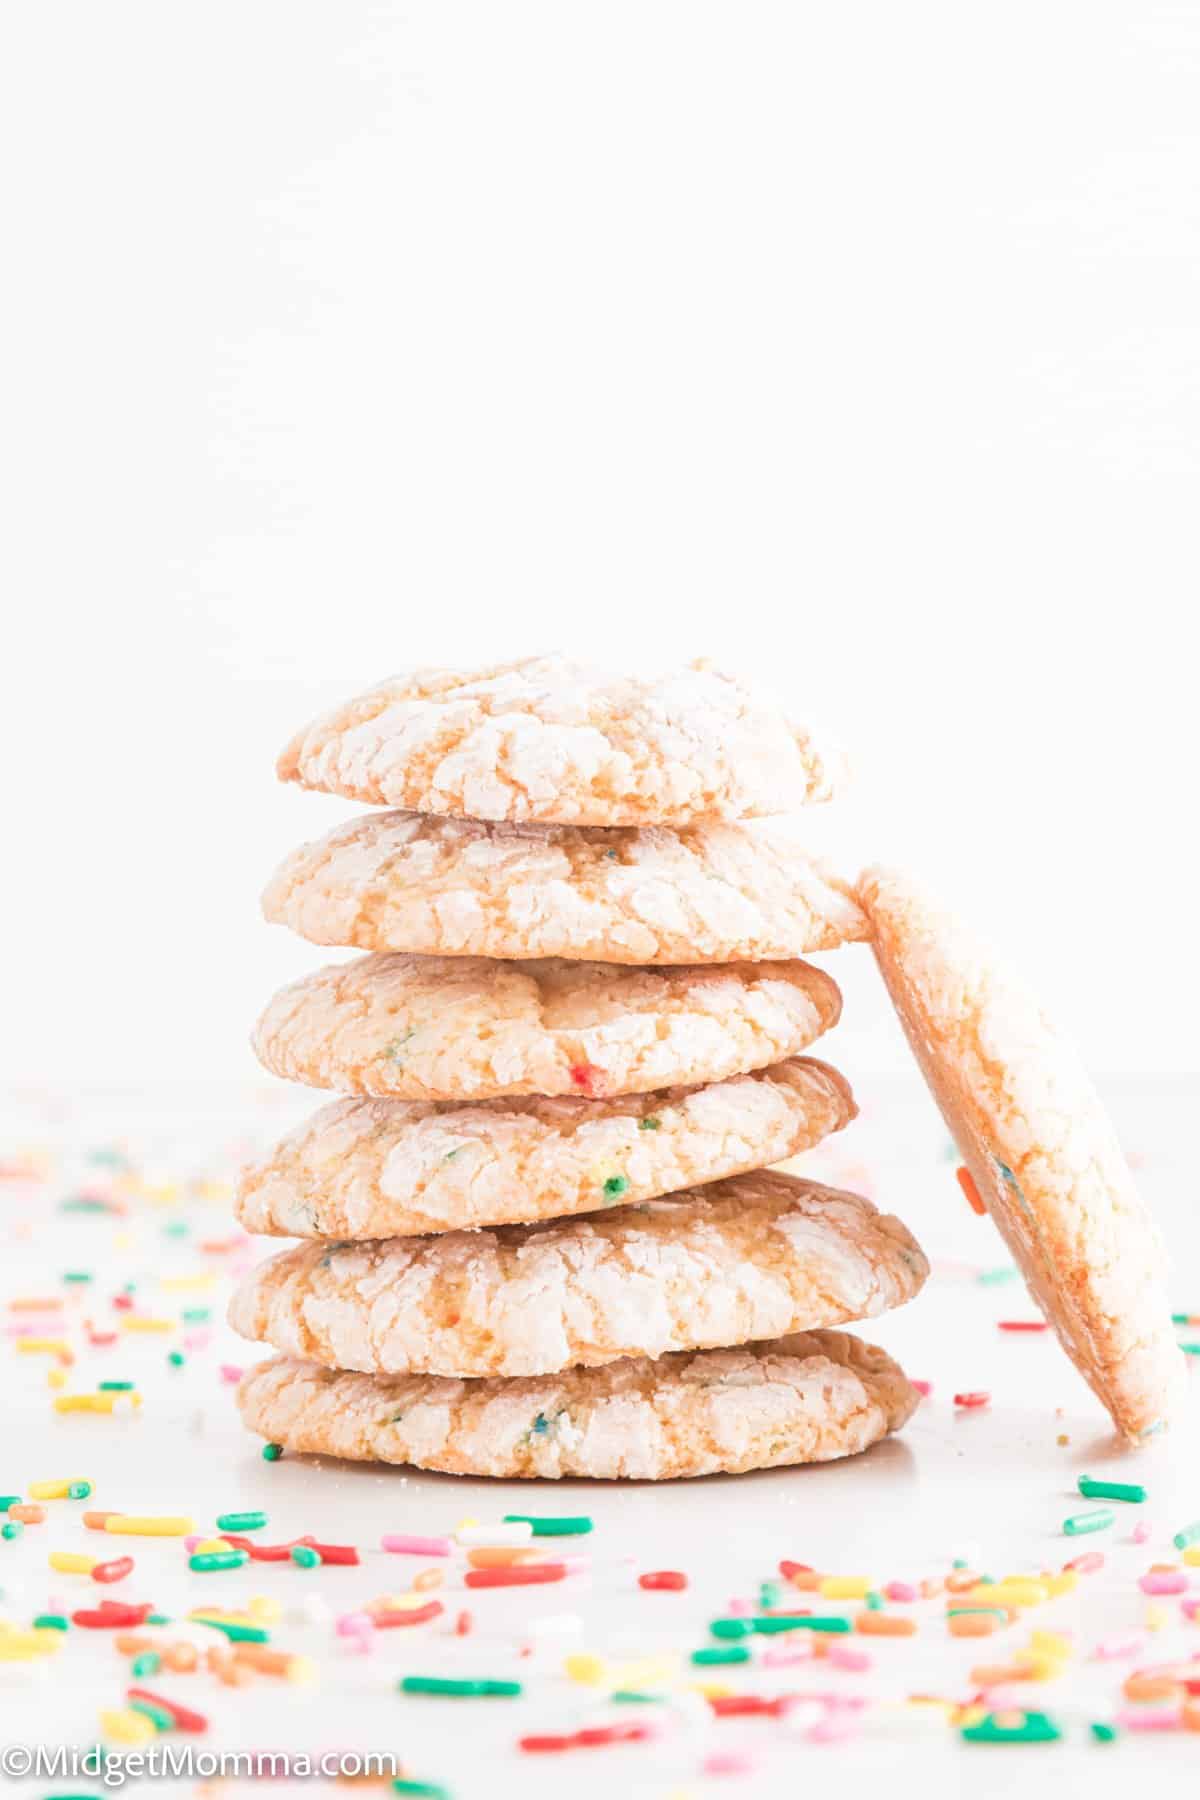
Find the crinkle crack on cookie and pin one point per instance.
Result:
(808, 1398)
(759, 1256)
(459, 887)
(464, 1028)
(390, 1168)
(1040, 1149)
(551, 740)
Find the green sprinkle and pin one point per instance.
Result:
(1035, 1728)
(116, 1387)
(615, 1186)
(624, 1696)
(767, 1625)
(176, 1358)
(959, 1563)
(994, 1277)
(421, 1790)
(7, 1500)
(157, 1619)
(148, 1663)
(475, 1688)
(163, 1720)
(78, 1490)
(1176, 1319)
(549, 1526)
(272, 1452)
(196, 1315)
(720, 1653)
(305, 1557)
(769, 1595)
(51, 1622)
(207, 1560)
(242, 1521)
(1190, 1349)
(650, 1124)
(237, 1634)
(176, 1228)
(11, 1528)
(1103, 1734)
(1111, 1490)
(1081, 1523)
(77, 1276)
(874, 1601)
(1187, 1536)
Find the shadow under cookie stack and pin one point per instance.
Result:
(540, 1234)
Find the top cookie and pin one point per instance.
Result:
(459, 887)
(468, 1028)
(550, 740)
(1040, 1149)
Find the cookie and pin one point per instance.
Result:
(552, 740)
(389, 1168)
(465, 1028)
(1040, 1150)
(808, 1398)
(458, 887)
(758, 1256)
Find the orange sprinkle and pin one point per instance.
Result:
(1150, 1687)
(1190, 1716)
(28, 1515)
(95, 1520)
(499, 1556)
(972, 1624)
(882, 1624)
(129, 1644)
(428, 1578)
(960, 1581)
(966, 1182)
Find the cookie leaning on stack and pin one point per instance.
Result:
(575, 1037)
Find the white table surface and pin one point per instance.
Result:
(992, 1486)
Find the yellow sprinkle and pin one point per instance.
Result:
(186, 1284)
(263, 1607)
(1053, 1643)
(130, 1525)
(32, 1346)
(404, 1602)
(49, 1490)
(1065, 1583)
(1191, 1556)
(1015, 1590)
(24, 1646)
(645, 1672)
(126, 1726)
(300, 1669)
(56, 1378)
(97, 1403)
(712, 1690)
(590, 1670)
(1156, 1617)
(136, 1322)
(210, 1546)
(1038, 1666)
(70, 1563)
(845, 1587)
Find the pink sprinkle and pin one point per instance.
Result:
(189, 1543)
(738, 1606)
(727, 1762)
(197, 1340)
(779, 1658)
(359, 1624)
(231, 1373)
(899, 1590)
(1164, 1581)
(401, 1543)
(1149, 1718)
(841, 1658)
(924, 1388)
(1113, 1648)
(1140, 1533)
(1190, 1609)
(833, 1728)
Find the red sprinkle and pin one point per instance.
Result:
(111, 1615)
(463, 1624)
(185, 1719)
(591, 1737)
(977, 1397)
(415, 1615)
(123, 1302)
(728, 1706)
(117, 1570)
(331, 1553)
(966, 1182)
(788, 1569)
(544, 1742)
(1022, 1325)
(587, 1077)
(671, 1579)
(924, 1388)
(516, 1575)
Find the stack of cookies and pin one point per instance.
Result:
(540, 1234)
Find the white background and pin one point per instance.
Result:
(855, 346)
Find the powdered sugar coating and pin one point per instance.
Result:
(808, 1398)
(545, 738)
(460, 887)
(761, 1255)
(384, 1168)
(1040, 1148)
(465, 1028)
